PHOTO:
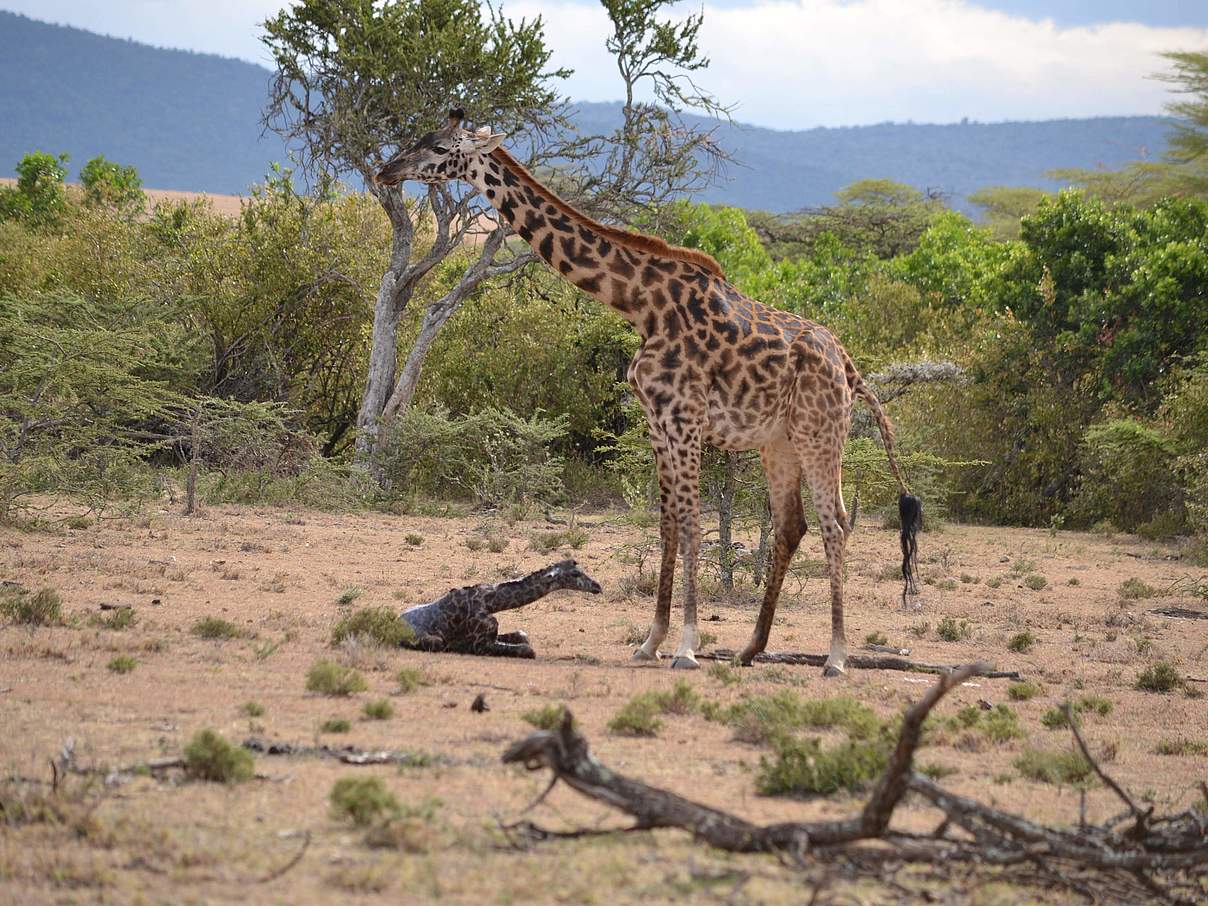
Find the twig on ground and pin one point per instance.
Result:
(855, 661)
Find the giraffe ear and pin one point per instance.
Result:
(486, 141)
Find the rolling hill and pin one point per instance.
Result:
(191, 122)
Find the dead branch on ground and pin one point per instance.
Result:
(856, 662)
(1151, 858)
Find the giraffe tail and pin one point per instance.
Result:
(910, 508)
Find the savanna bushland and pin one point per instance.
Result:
(221, 437)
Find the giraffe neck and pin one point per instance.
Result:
(592, 257)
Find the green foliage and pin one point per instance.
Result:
(1128, 475)
(216, 628)
(1059, 768)
(548, 717)
(1160, 677)
(210, 757)
(362, 800)
(112, 185)
(118, 620)
(380, 625)
(951, 631)
(41, 608)
(409, 679)
(335, 725)
(765, 718)
(638, 717)
(802, 767)
(326, 677)
(1023, 691)
(122, 663)
(251, 709)
(39, 198)
(379, 709)
(1021, 642)
(1135, 590)
(1181, 747)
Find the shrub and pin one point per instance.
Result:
(409, 679)
(1057, 768)
(210, 757)
(1021, 642)
(546, 542)
(216, 628)
(724, 673)
(42, 608)
(251, 709)
(362, 800)
(1035, 581)
(1135, 589)
(679, 699)
(766, 718)
(876, 638)
(329, 678)
(801, 767)
(350, 594)
(639, 717)
(335, 725)
(1128, 475)
(123, 663)
(1181, 747)
(1023, 691)
(118, 620)
(546, 718)
(381, 709)
(1160, 677)
(951, 631)
(380, 625)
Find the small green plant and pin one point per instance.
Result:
(546, 542)
(409, 679)
(994, 582)
(951, 631)
(1136, 590)
(335, 725)
(766, 718)
(362, 800)
(1073, 580)
(1159, 677)
(381, 709)
(475, 543)
(350, 594)
(1001, 724)
(210, 757)
(1035, 581)
(1021, 642)
(414, 540)
(1023, 691)
(1181, 747)
(639, 717)
(123, 663)
(679, 699)
(1060, 768)
(969, 580)
(919, 630)
(251, 709)
(497, 542)
(876, 638)
(1056, 718)
(42, 608)
(329, 678)
(117, 620)
(379, 625)
(802, 767)
(725, 674)
(547, 718)
(216, 628)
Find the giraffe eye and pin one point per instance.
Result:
(440, 149)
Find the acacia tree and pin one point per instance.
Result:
(354, 78)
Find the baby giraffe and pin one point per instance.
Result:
(714, 368)
(463, 620)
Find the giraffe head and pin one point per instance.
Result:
(441, 155)
(568, 575)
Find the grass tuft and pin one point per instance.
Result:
(409, 679)
(951, 631)
(1160, 677)
(210, 757)
(362, 800)
(350, 594)
(329, 678)
(1181, 747)
(1021, 642)
(251, 709)
(1136, 590)
(117, 620)
(802, 767)
(379, 709)
(42, 608)
(123, 663)
(380, 625)
(1023, 691)
(639, 717)
(1060, 768)
(216, 628)
(335, 725)
(547, 718)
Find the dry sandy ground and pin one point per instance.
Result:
(278, 574)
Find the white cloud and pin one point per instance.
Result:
(782, 63)
(842, 62)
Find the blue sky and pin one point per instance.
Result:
(803, 63)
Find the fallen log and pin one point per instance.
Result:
(1160, 857)
(346, 754)
(856, 661)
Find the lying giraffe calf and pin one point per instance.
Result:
(462, 620)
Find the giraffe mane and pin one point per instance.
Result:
(638, 242)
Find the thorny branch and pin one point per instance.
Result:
(1156, 858)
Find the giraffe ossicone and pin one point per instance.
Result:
(714, 367)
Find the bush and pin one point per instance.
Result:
(381, 709)
(767, 718)
(362, 800)
(801, 767)
(639, 717)
(380, 625)
(210, 757)
(216, 628)
(1128, 476)
(42, 608)
(1136, 590)
(1022, 691)
(547, 718)
(329, 678)
(951, 631)
(1058, 768)
(335, 725)
(1160, 677)
(1021, 642)
(123, 663)
(409, 679)
(120, 619)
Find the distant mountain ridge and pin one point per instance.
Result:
(191, 122)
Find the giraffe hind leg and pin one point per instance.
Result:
(669, 536)
(832, 523)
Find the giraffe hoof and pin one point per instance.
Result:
(685, 662)
(641, 657)
(833, 670)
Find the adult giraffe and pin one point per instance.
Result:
(714, 367)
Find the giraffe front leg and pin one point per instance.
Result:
(834, 540)
(686, 461)
(669, 536)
